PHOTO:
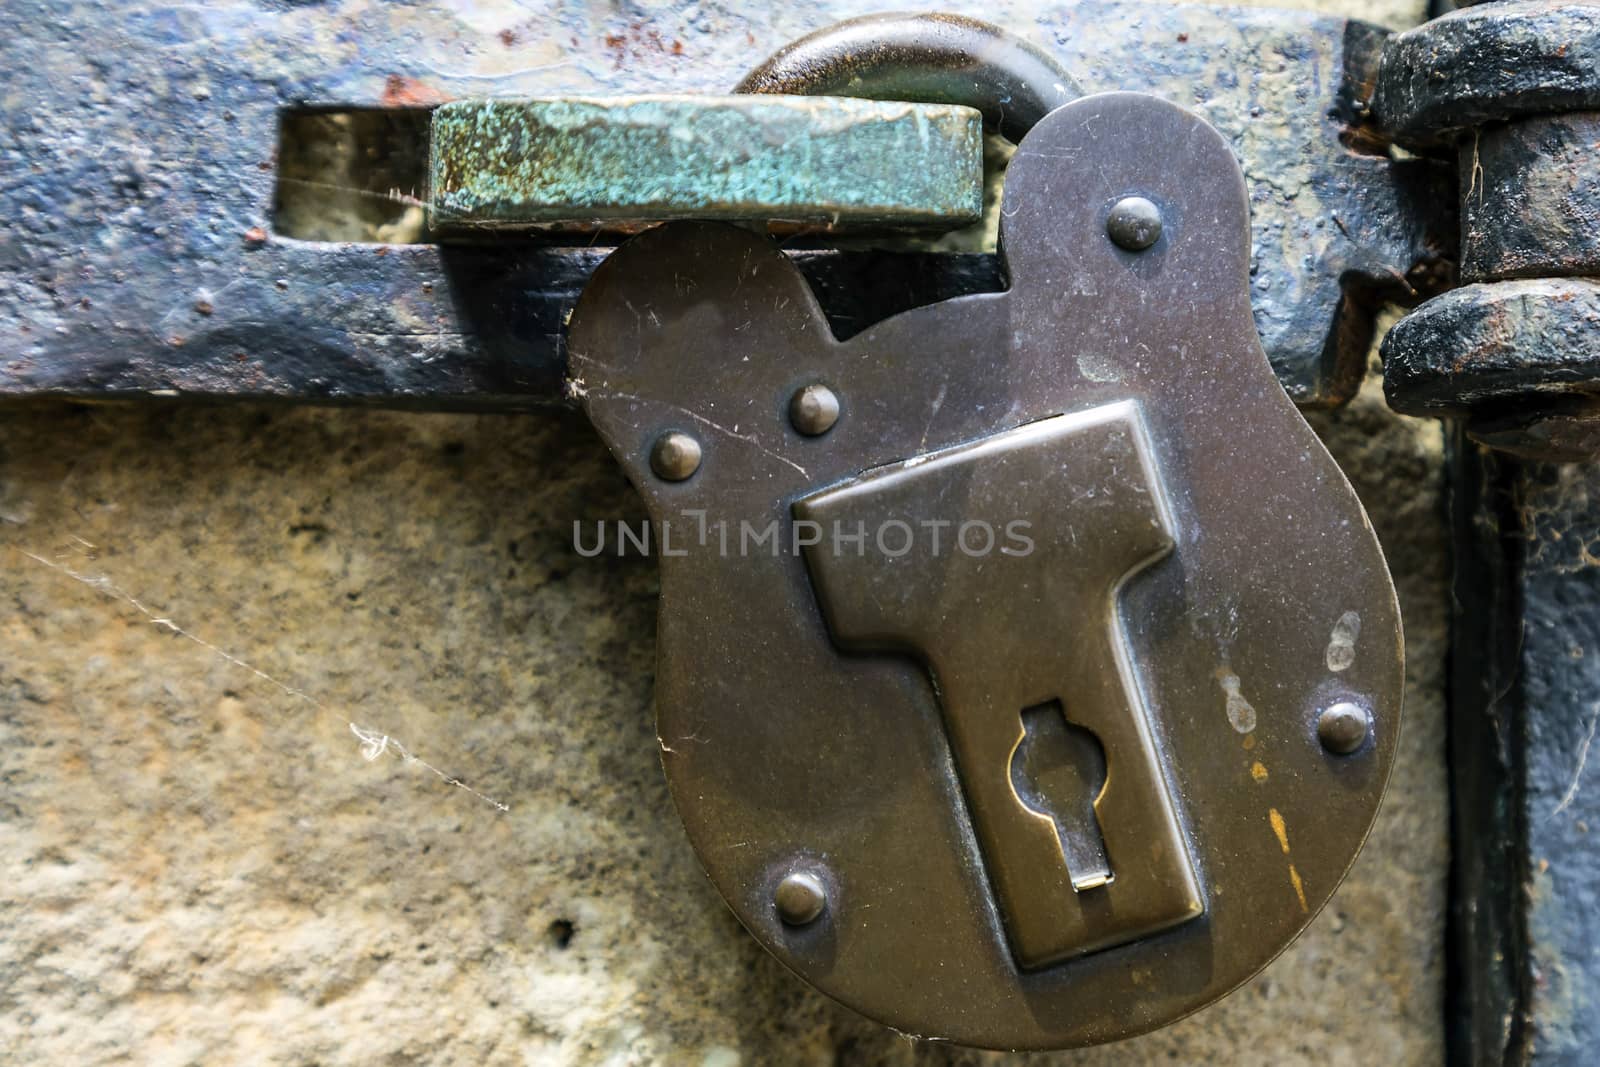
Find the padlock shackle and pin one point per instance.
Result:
(930, 58)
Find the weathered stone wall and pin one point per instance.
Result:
(203, 864)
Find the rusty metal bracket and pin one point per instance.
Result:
(1512, 352)
(1489, 62)
(1513, 358)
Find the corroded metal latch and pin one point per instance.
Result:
(499, 164)
(1028, 673)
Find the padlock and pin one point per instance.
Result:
(1028, 673)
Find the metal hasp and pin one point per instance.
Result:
(149, 257)
(497, 164)
(968, 752)
(1512, 89)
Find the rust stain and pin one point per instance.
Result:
(638, 40)
(400, 91)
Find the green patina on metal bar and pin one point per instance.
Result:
(835, 160)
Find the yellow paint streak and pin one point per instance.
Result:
(1279, 828)
(1258, 771)
(1299, 887)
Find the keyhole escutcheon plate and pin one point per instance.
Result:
(1002, 628)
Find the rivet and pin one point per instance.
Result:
(1343, 727)
(814, 409)
(675, 456)
(800, 898)
(1134, 223)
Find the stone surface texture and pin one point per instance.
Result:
(202, 866)
(205, 862)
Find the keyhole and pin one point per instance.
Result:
(1059, 770)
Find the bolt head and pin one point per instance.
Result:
(800, 898)
(1134, 223)
(675, 456)
(1343, 727)
(814, 409)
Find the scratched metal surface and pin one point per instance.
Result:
(137, 255)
